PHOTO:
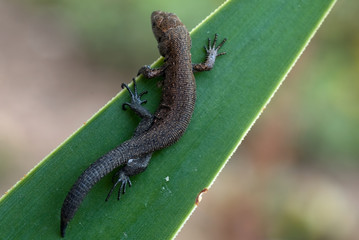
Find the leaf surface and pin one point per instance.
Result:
(265, 38)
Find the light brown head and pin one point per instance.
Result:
(162, 24)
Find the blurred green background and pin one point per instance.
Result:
(295, 176)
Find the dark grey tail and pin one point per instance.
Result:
(86, 181)
(63, 227)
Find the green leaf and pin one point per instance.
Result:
(265, 38)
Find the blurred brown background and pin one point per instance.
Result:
(295, 176)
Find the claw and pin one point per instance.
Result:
(121, 189)
(124, 180)
(119, 192)
(124, 106)
(109, 194)
(221, 44)
(215, 40)
(143, 93)
(135, 86)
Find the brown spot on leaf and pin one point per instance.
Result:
(199, 196)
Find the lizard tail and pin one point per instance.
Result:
(87, 180)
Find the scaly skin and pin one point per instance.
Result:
(156, 131)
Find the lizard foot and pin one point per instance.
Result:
(124, 180)
(212, 51)
(135, 96)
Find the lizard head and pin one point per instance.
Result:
(162, 23)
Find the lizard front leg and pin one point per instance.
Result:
(212, 54)
(149, 72)
(138, 165)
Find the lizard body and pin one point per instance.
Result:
(157, 131)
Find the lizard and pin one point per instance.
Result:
(155, 131)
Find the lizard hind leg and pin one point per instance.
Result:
(122, 177)
(138, 165)
(124, 180)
